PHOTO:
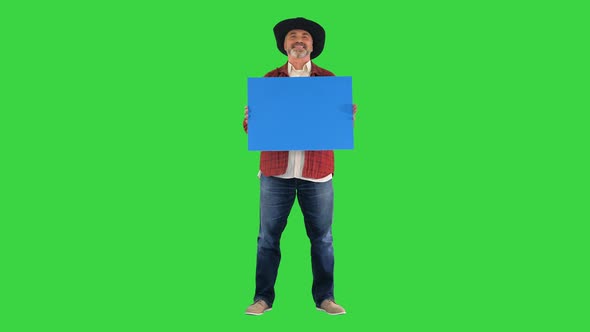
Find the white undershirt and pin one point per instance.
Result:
(297, 158)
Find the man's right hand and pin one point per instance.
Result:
(245, 122)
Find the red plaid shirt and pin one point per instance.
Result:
(317, 164)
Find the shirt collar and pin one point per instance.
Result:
(306, 67)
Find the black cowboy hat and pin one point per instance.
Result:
(315, 30)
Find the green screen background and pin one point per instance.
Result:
(130, 201)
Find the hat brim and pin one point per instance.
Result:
(315, 30)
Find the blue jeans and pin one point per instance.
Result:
(317, 202)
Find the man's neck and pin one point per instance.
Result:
(298, 63)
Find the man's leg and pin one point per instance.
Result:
(276, 200)
(317, 204)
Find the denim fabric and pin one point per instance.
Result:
(316, 200)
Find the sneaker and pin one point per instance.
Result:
(258, 308)
(331, 308)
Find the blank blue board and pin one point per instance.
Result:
(300, 113)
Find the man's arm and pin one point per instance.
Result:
(245, 122)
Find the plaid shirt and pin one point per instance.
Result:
(317, 165)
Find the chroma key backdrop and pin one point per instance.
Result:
(129, 199)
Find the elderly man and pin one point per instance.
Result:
(306, 175)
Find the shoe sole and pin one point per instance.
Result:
(335, 314)
(257, 313)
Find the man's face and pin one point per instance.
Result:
(298, 43)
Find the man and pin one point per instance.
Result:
(305, 174)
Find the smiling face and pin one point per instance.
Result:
(298, 43)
